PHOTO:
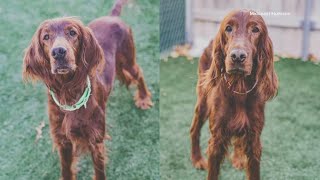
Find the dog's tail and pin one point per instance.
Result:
(117, 7)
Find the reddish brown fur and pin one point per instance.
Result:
(234, 118)
(101, 50)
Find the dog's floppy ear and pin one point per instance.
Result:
(268, 80)
(35, 64)
(91, 56)
(217, 55)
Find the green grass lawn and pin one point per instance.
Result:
(134, 148)
(290, 137)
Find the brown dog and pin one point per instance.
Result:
(236, 78)
(78, 64)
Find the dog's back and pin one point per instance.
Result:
(116, 40)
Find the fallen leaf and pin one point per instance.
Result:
(276, 58)
(313, 58)
(182, 51)
(39, 131)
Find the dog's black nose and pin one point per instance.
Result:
(58, 52)
(238, 55)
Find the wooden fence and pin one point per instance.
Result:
(286, 31)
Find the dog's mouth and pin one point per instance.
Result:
(237, 71)
(62, 70)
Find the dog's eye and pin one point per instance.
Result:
(255, 30)
(72, 33)
(46, 37)
(228, 28)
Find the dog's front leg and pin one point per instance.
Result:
(253, 148)
(66, 159)
(98, 158)
(253, 152)
(217, 149)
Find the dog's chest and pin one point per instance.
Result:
(239, 121)
(74, 128)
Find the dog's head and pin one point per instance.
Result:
(243, 48)
(242, 39)
(62, 46)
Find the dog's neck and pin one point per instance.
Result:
(68, 88)
(239, 85)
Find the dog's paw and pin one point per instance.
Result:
(200, 163)
(238, 162)
(143, 103)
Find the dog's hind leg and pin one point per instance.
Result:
(199, 118)
(238, 157)
(129, 73)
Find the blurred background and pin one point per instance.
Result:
(194, 22)
(291, 134)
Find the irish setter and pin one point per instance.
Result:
(236, 78)
(78, 65)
